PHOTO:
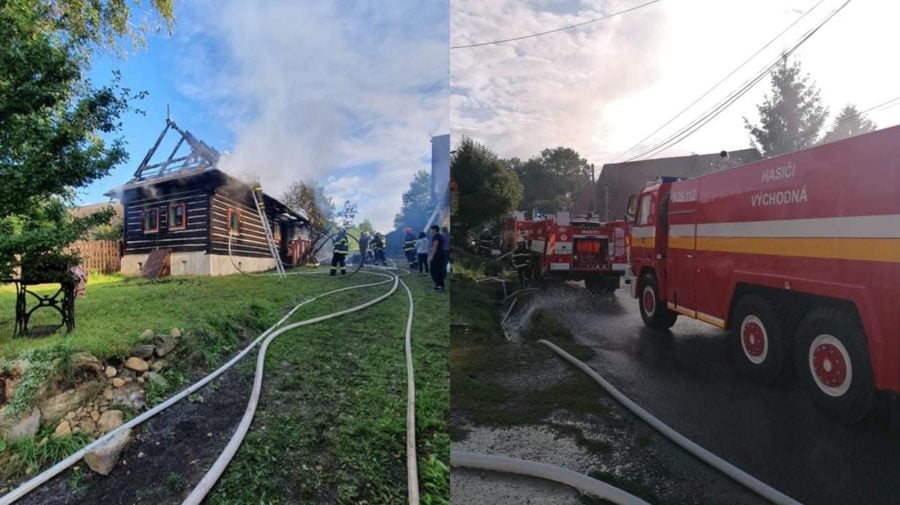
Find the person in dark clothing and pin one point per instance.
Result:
(522, 261)
(422, 246)
(436, 258)
(378, 248)
(363, 246)
(341, 246)
(409, 248)
(446, 234)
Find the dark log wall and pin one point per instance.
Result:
(193, 238)
(252, 240)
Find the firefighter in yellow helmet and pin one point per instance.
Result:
(521, 259)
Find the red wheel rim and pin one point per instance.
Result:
(829, 365)
(649, 300)
(754, 339)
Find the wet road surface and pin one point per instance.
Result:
(685, 378)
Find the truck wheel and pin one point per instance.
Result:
(832, 360)
(654, 312)
(759, 340)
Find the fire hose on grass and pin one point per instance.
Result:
(218, 468)
(61, 466)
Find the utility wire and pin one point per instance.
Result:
(555, 30)
(698, 123)
(716, 85)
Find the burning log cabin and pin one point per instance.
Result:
(179, 214)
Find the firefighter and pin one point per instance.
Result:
(341, 246)
(409, 248)
(485, 242)
(522, 261)
(378, 249)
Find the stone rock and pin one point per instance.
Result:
(54, 408)
(110, 372)
(117, 382)
(95, 415)
(21, 366)
(147, 335)
(104, 458)
(175, 332)
(131, 396)
(140, 380)
(165, 344)
(70, 415)
(9, 387)
(129, 379)
(110, 420)
(158, 365)
(145, 375)
(103, 409)
(85, 361)
(142, 351)
(63, 429)
(158, 379)
(25, 428)
(88, 425)
(107, 394)
(137, 364)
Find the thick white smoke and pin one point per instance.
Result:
(338, 92)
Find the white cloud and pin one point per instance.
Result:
(312, 89)
(601, 88)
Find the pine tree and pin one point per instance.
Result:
(849, 123)
(791, 117)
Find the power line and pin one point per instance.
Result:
(555, 30)
(698, 123)
(716, 85)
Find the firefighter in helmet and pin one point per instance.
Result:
(522, 261)
(378, 244)
(485, 242)
(340, 249)
(409, 248)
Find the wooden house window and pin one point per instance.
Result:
(151, 220)
(177, 217)
(234, 221)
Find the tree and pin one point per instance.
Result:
(849, 123)
(417, 203)
(486, 188)
(791, 117)
(552, 180)
(366, 225)
(310, 197)
(51, 120)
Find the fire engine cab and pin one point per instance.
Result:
(797, 255)
(572, 248)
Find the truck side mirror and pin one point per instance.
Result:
(632, 208)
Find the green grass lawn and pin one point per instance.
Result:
(117, 309)
(330, 427)
(331, 421)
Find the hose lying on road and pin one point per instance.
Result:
(544, 471)
(58, 468)
(716, 462)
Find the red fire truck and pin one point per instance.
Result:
(572, 248)
(797, 255)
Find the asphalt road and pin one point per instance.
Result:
(685, 378)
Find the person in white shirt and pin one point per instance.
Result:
(422, 253)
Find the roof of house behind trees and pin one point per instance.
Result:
(620, 180)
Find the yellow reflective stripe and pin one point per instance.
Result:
(859, 249)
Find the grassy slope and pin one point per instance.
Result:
(331, 422)
(116, 310)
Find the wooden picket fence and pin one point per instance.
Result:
(100, 256)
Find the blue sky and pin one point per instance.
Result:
(343, 93)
